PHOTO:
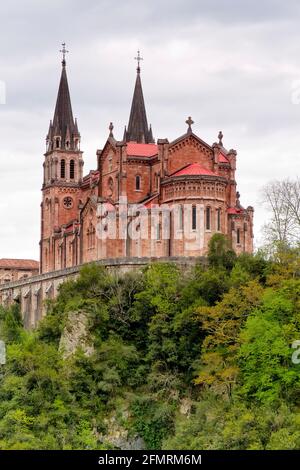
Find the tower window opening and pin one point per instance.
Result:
(238, 236)
(72, 169)
(63, 168)
(57, 143)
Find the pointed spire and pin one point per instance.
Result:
(125, 134)
(151, 140)
(138, 130)
(76, 127)
(49, 130)
(63, 129)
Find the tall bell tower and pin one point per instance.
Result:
(63, 167)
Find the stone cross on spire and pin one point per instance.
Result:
(64, 52)
(138, 58)
(189, 122)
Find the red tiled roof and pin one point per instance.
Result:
(141, 150)
(19, 264)
(234, 210)
(92, 177)
(150, 202)
(193, 169)
(223, 159)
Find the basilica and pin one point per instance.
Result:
(146, 198)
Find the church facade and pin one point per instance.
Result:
(145, 198)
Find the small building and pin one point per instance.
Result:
(17, 269)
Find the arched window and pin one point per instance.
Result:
(194, 218)
(137, 183)
(63, 168)
(72, 169)
(207, 216)
(238, 236)
(219, 219)
(57, 143)
(91, 236)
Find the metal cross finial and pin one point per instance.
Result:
(64, 52)
(138, 58)
(220, 137)
(189, 122)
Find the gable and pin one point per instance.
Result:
(189, 149)
(108, 158)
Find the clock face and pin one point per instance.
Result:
(68, 202)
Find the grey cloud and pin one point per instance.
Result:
(228, 64)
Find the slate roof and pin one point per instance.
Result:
(138, 129)
(63, 124)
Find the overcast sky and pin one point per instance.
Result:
(232, 65)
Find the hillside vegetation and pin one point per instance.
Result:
(165, 359)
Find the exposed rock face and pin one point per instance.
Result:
(185, 407)
(117, 436)
(76, 335)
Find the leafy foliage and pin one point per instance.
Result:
(180, 359)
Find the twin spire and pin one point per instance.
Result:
(138, 130)
(63, 131)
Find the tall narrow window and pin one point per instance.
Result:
(194, 218)
(218, 220)
(46, 258)
(63, 168)
(208, 218)
(158, 231)
(57, 143)
(91, 236)
(137, 183)
(238, 236)
(110, 163)
(72, 169)
(180, 217)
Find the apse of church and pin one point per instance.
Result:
(146, 198)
